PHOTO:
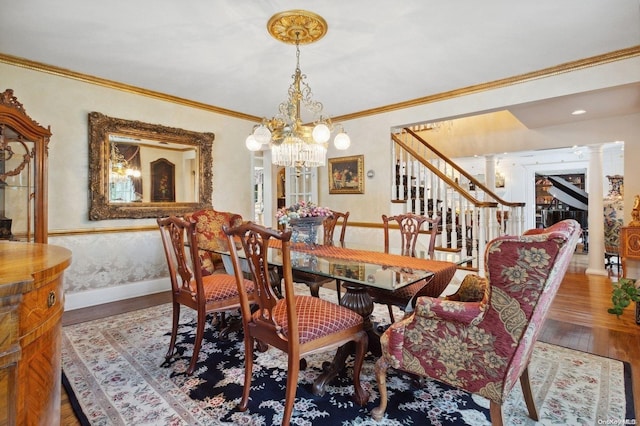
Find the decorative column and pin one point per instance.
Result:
(596, 206)
(490, 172)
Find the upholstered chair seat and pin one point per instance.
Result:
(219, 287)
(316, 317)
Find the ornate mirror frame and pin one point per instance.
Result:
(101, 126)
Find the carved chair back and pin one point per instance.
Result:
(329, 226)
(410, 225)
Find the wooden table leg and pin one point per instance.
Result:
(358, 300)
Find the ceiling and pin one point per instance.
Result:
(376, 53)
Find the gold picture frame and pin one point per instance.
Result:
(347, 270)
(346, 175)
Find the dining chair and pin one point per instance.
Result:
(205, 294)
(480, 339)
(329, 226)
(298, 325)
(211, 237)
(410, 225)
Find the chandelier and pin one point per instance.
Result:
(293, 143)
(120, 168)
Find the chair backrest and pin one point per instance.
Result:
(329, 226)
(210, 236)
(254, 240)
(410, 225)
(524, 273)
(181, 250)
(209, 224)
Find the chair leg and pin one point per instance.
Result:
(248, 369)
(495, 410)
(528, 394)
(381, 376)
(360, 396)
(293, 368)
(391, 314)
(174, 330)
(338, 285)
(314, 289)
(202, 317)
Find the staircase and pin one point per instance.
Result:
(429, 183)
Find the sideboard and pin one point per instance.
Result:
(31, 307)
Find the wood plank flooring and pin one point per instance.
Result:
(577, 319)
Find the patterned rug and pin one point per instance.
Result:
(113, 374)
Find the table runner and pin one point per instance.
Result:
(443, 271)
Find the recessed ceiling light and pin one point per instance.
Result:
(579, 112)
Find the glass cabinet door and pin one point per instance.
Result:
(23, 150)
(16, 187)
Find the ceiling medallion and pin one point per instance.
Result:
(292, 142)
(297, 26)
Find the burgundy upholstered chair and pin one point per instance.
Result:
(410, 226)
(209, 224)
(296, 324)
(205, 294)
(495, 321)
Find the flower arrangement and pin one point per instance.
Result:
(300, 210)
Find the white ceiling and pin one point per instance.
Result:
(375, 53)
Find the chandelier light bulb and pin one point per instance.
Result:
(293, 143)
(252, 144)
(321, 133)
(342, 141)
(262, 134)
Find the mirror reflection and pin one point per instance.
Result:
(141, 170)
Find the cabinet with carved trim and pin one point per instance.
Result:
(629, 245)
(23, 173)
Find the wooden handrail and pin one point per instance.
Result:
(456, 167)
(443, 176)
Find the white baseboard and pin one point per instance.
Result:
(84, 299)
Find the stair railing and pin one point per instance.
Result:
(430, 183)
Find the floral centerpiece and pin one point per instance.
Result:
(301, 210)
(304, 218)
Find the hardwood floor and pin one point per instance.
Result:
(577, 319)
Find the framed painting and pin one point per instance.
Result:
(346, 175)
(163, 187)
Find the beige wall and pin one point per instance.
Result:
(64, 104)
(112, 266)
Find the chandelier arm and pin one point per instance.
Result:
(294, 144)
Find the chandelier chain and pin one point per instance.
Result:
(292, 143)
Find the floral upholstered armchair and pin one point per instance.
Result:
(481, 338)
(211, 237)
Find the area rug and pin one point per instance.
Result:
(113, 372)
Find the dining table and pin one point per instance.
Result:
(358, 267)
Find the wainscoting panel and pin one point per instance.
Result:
(107, 267)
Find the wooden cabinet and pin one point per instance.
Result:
(31, 307)
(23, 173)
(629, 245)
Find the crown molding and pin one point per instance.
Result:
(85, 78)
(614, 56)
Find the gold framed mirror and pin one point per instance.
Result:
(140, 170)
